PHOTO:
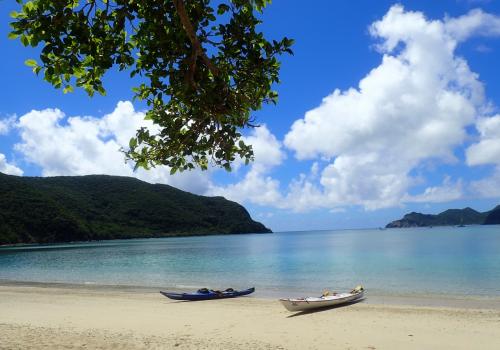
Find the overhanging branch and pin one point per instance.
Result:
(188, 28)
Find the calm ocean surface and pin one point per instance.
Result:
(460, 261)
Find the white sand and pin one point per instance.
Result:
(76, 318)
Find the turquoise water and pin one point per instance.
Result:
(461, 261)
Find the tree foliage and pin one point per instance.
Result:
(204, 67)
(95, 207)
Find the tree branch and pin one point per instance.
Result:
(188, 28)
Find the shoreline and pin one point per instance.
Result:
(152, 236)
(52, 317)
(377, 299)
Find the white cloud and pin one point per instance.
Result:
(303, 194)
(88, 145)
(413, 107)
(267, 149)
(447, 192)
(7, 168)
(488, 187)
(256, 186)
(483, 48)
(475, 23)
(487, 150)
(6, 124)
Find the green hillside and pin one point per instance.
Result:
(95, 207)
(450, 217)
(493, 217)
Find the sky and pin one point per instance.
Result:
(384, 108)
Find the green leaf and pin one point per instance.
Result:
(101, 90)
(223, 8)
(31, 63)
(24, 40)
(132, 143)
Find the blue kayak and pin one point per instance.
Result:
(208, 294)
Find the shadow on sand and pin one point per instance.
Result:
(306, 312)
(173, 301)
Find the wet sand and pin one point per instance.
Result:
(40, 316)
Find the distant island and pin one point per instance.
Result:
(450, 217)
(98, 207)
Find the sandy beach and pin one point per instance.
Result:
(37, 317)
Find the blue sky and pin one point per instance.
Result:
(413, 126)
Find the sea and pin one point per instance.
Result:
(460, 261)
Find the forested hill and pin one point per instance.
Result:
(493, 217)
(450, 217)
(95, 207)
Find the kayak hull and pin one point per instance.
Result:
(311, 303)
(211, 295)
